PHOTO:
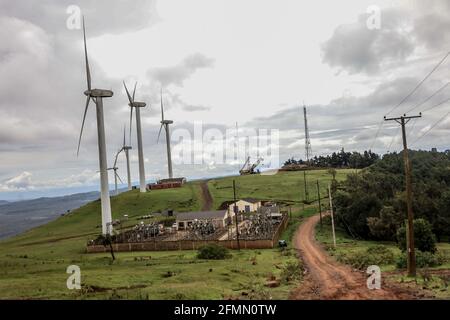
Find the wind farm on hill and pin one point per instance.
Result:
(320, 201)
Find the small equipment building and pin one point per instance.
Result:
(167, 184)
(219, 218)
(246, 205)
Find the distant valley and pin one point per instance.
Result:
(17, 217)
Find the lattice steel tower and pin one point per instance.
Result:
(308, 150)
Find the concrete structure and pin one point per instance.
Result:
(220, 218)
(270, 209)
(173, 180)
(246, 205)
(167, 184)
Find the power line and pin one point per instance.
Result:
(420, 83)
(412, 128)
(437, 105)
(429, 98)
(393, 138)
(376, 136)
(431, 128)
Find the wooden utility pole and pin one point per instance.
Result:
(320, 207)
(332, 215)
(410, 226)
(306, 189)
(236, 215)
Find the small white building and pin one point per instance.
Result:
(246, 205)
(219, 218)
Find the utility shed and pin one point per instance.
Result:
(246, 205)
(219, 218)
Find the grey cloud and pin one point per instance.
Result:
(102, 16)
(354, 121)
(193, 108)
(404, 28)
(431, 30)
(355, 48)
(178, 74)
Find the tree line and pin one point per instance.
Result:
(371, 204)
(341, 159)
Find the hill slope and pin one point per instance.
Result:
(33, 265)
(16, 217)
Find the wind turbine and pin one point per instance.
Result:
(97, 96)
(116, 175)
(137, 106)
(165, 124)
(126, 149)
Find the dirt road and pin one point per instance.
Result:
(325, 278)
(206, 195)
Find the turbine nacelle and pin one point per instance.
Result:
(99, 93)
(127, 148)
(137, 104)
(166, 122)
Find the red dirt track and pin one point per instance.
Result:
(327, 279)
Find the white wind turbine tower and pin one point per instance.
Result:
(97, 96)
(116, 175)
(126, 149)
(165, 124)
(137, 106)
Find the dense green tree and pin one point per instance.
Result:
(424, 239)
(384, 180)
(385, 226)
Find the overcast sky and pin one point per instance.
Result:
(251, 61)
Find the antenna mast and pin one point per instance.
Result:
(308, 150)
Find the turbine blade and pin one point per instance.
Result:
(131, 122)
(159, 134)
(134, 91)
(162, 107)
(115, 160)
(88, 71)
(128, 93)
(124, 142)
(82, 124)
(119, 178)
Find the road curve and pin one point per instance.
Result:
(325, 278)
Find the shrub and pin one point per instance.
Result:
(424, 239)
(293, 270)
(326, 220)
(377, 255)
(213, 252)
(423, 260)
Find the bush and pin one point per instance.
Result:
(424, 239)
(423, 260)
(293, 270)
(377, 255)
(326, 220)
(213, 252)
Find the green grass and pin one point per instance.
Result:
(347, 247)
(284, 186)
(143, 276)
(33, 264)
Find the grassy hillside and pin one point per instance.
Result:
(284, 186)
(33, 265)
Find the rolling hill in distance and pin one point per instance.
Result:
(19, 216)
